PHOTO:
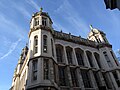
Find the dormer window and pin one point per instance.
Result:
(44, 21)
(36, 21)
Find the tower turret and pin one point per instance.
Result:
(97, 35)
(42, 49)
(40, 33)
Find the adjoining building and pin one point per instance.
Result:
(112, 4)
(60, 61)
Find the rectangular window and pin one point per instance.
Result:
(86, 79)
(97, 57)
(90, 60)
(62, 79)
(59, 54)
(116, 78)
(46, 68)
(35, 44)
(69, 56)
(107, 81)
(45, 43)
(107, 59)
(34, 69)
(79, 58)
(97, 78)
(44, 21)
(74, 77)
(36, 21)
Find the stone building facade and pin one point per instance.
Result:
(60, 61)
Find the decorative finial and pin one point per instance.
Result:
(91, 27)
(26, 44)
(41, 9)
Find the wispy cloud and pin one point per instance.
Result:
(33, 4)
(21, 9)
(24, 12)
(67, 11)
(12, 48)
(59, 27)
(13, 27)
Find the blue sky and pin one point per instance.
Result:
(73, 16)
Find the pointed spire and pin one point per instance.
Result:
(91, 27)
(41, 9)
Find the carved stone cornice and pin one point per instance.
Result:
(42, 27)
(101, 45)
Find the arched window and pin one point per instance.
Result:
(59, 53)
(36, 21)
(52, 47)
(36, 44)
(89, 56)
(97, 57)
(45, 43)
(44, 21)
(69, 54)
(79, 56)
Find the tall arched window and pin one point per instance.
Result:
(69, 52)
(45, 43)
(59, 53)
(97, 57)
(36, 21)
(36, 44)
(44, 21)
(79, 56)
(89, 56)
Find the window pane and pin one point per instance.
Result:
(116, 78)
(35, 44)
(34, 69)
(62, 80)
(79, 57)
(74, 77)
(86, 79)
(46, 69)
(90, 59)
(59, 53)
(36, 21)
(44, 21)
(69, 55)
(45, 43)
